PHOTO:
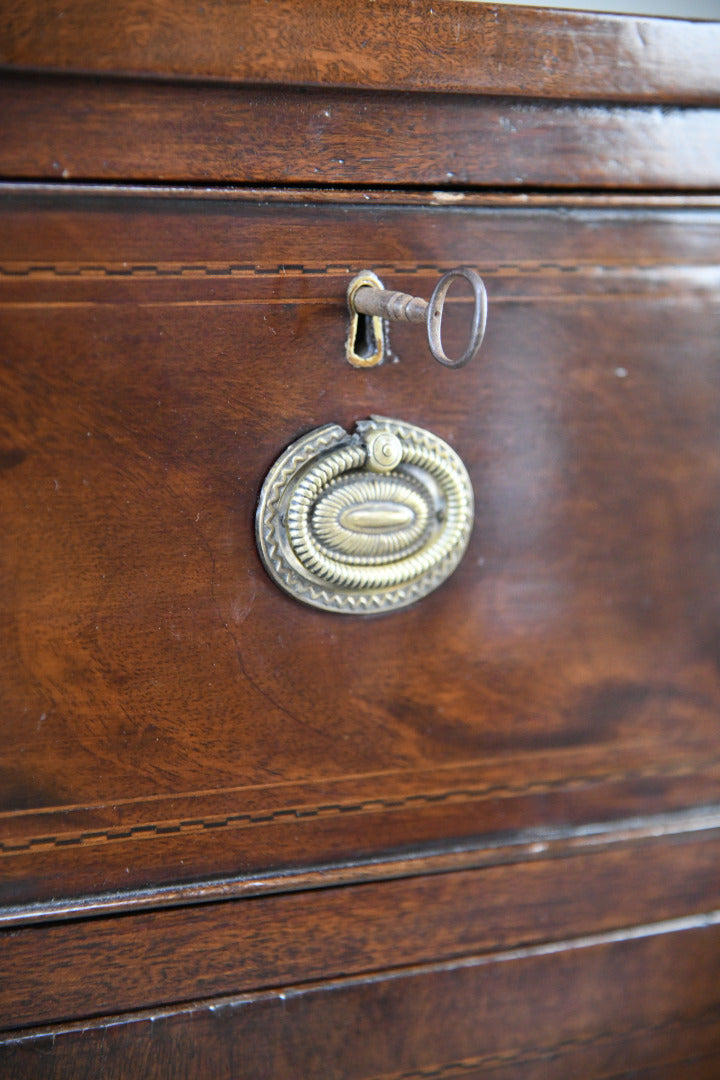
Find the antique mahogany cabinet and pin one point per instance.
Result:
(461, 824)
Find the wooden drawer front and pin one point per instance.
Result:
(526, 895)
(169, 714)
(602, 1007)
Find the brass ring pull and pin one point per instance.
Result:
(367, 297)
(364, 522)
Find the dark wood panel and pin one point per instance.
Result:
(276, 850)
(468, 47)
(108, 130)
(161, 718)
(238, 837)
(106, 965)
(64, 228)
(547, 842)
(606, 1006)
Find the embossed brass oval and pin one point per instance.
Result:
(366, 518)
(383, 516)
(364, 522)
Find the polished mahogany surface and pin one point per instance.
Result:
(606, 1007)
(241, 837)
(161, 374)
(98, 130)
(415, 45)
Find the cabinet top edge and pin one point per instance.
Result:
(450, 46)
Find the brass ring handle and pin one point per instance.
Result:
(366, 521)
(366, 296)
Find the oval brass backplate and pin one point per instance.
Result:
(365, 522)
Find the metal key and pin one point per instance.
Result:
(366, 296)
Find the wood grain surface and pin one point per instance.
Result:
(641, 1003)
(162, 717)
(105, 129)
(87, 968)
(376, 44)
(476, 838)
